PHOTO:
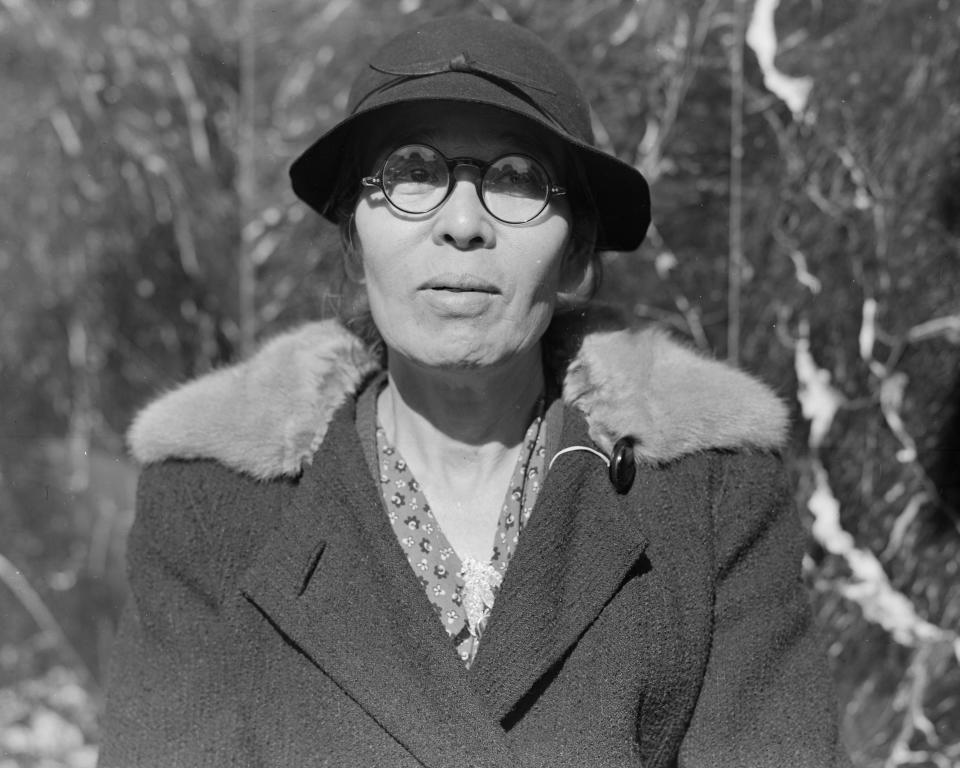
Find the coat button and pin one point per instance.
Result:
(623, 465)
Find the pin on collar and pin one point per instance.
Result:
(621, 466)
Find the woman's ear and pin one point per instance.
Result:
(352, 251)
(580, 270)
(578, 278)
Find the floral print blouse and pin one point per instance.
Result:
(462, 592)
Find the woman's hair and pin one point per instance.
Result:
(582, 260)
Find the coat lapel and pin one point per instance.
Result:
(581, 543)
(334, 581)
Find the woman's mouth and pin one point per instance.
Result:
(459, 295)
(459, 283)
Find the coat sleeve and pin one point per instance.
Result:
(768, 699)
(169, 684)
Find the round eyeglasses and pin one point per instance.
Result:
(416, 178)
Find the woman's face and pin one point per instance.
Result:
(456, 288)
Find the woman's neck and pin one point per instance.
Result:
(460, 433)
(458, 425)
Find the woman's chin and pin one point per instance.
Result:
(463, 355)
(486, 341)
(455, 358)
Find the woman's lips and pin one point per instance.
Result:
(458, 295)
(459, 283)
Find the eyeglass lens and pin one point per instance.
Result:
(514, 188)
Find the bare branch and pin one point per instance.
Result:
(246, 180)
(650, 150)
(948, 327)
(868, 586)
(736, 257)
(66, 132)
(902, 523)
(17, 583)
(180, 211)
(195, 109)
(762, 38)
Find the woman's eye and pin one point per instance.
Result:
(413, 173)
(517, 178)
(419, 174)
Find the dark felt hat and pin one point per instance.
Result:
(481, 60)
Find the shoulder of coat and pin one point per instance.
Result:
(671, 399)
(266, 416)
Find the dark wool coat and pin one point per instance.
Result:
(275, 620)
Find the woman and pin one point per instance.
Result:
(504, 532)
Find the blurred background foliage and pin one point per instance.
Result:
(807, 226)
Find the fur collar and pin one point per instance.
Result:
(267, 416)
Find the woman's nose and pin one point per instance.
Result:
(462, 221)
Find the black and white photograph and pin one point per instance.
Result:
(480, 383)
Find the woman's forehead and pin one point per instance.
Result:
(461, 129)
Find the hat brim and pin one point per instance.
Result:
(619, 191)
